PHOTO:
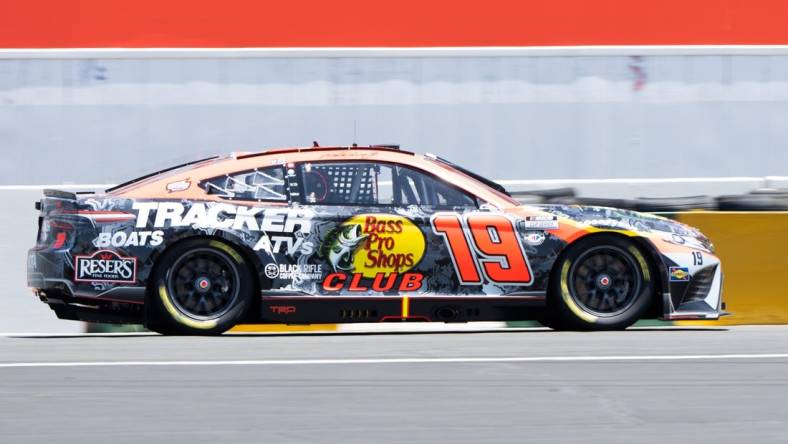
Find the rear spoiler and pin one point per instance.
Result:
(57, 199)
(60, 194)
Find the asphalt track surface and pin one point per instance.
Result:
(643, 385)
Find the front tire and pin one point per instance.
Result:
(603, 282)
(199, 287)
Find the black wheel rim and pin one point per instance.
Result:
(203, 284)
(605, 281)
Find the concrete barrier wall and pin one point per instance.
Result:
(753, 248)
(99, 119)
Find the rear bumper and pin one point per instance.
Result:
(49, 275)
(45, 268)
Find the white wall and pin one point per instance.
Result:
(509, 115)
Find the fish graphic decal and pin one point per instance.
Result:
(340, 246)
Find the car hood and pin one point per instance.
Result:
(618, 219)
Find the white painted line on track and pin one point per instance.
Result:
(399, 360)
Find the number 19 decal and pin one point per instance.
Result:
(483, 244)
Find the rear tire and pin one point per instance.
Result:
(199, 287)
(603, 282)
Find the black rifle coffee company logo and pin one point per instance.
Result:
(105, 266)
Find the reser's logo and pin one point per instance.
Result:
(105, 266)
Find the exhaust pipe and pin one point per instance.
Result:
(447, 313)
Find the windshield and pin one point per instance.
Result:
(494, 187)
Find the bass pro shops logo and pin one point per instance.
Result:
(380, 247)
(105, 266)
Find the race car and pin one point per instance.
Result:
(356, 234)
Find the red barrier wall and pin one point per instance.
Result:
(358, 23)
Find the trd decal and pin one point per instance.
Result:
(484, 244)
(283, 309)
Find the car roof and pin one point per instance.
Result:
(225, 164)
(316, 148)
(155, 186)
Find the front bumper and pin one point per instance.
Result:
(699, 296)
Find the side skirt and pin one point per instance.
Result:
(351, 309)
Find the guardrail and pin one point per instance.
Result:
(765, 196)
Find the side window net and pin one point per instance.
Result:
(258, 184)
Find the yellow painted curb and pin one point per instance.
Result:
(753, 249)
(281, 328)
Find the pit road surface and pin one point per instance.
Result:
(652, 385)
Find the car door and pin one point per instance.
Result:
(420, 196)
(388, 229)
(365, 246)
(473, 249)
